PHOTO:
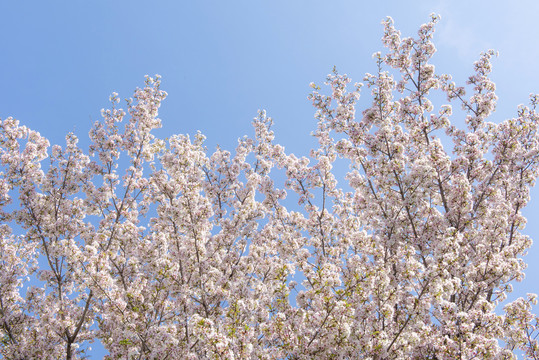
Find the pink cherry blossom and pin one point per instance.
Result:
(163, 249)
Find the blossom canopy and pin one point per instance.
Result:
(160, 249)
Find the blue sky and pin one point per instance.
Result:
(221, 61)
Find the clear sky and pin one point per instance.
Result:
(221, 61)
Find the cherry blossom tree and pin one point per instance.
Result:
(160, 249)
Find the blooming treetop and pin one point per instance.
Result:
(162, 250)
